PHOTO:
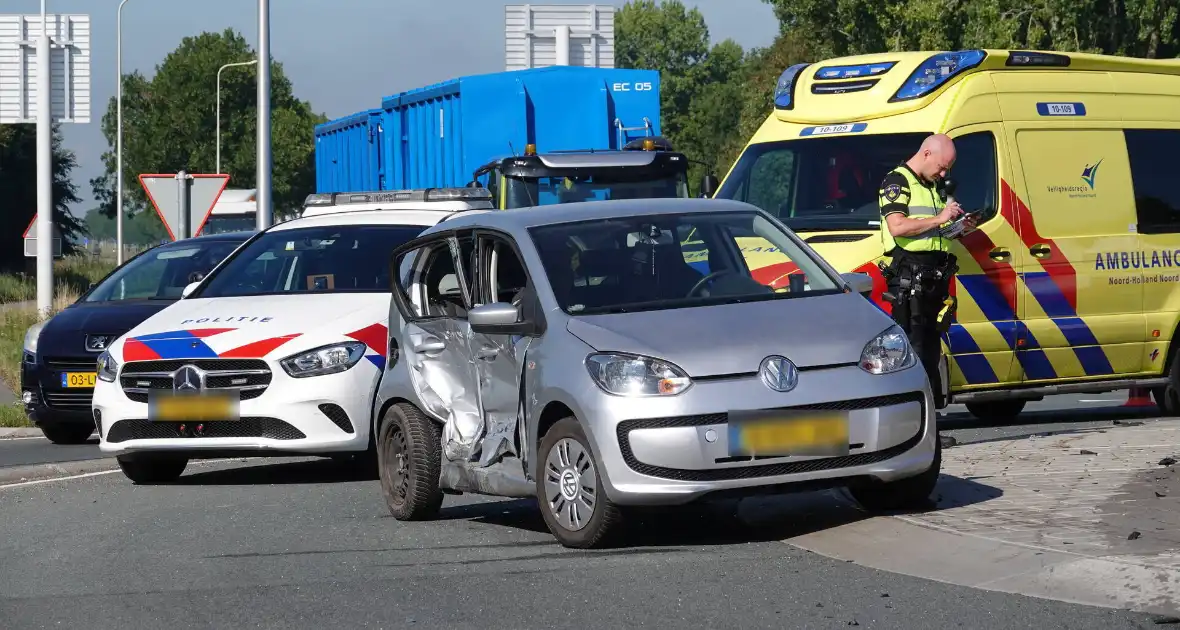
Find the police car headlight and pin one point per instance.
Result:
(326, 360)
(107, 367)
(888, 352)
(631, 375)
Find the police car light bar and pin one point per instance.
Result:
(936, 71)
(385, 196)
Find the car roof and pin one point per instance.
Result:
(517, 219)
(418, 217)
(224, 236)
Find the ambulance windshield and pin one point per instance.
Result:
(825, 183)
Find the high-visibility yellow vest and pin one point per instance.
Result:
(923, 201)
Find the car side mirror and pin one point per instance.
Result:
(188, 288)
(861, 283)
(492, 318)
(709, 185)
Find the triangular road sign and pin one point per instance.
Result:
(163, 190)
(30, 238)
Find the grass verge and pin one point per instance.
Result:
(72, 274)
(14, 322)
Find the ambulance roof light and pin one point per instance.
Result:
(784, 90)
(936, 71)
(1025, 58)
(530, 149)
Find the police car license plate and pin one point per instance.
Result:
(71, 380)
(204, 407)
(783, 433)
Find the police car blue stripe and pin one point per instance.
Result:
(174, 348)
(376, 360)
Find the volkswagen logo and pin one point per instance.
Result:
(188, 379)
(98, 343)
(778, 373)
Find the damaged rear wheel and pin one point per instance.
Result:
(408, 454)
(569, 489)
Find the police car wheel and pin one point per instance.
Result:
(409, 460)
(997, 410)
(904, 494)
(152, 469)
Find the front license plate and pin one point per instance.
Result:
(170, 407)
(78, 379)
(788, 433)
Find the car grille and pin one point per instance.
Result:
(767, 470)
(72, 364)
(249, 377)
(68, 400)
(249, 427)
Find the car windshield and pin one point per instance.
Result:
(825, 183)
(222, 223)
(667, 261)
(162, 273)
(322, 259)
(542, 191)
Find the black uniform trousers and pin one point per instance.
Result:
(919, 297)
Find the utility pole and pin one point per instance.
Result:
(44, 171)
(265, 211)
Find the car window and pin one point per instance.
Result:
(162, 273)
(654, 262)
(429, 280)
(1155, 171)
(321, 259)
(502, 274)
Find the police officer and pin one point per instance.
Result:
(913, 207)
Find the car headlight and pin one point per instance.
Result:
(331, 359)
(107, 367)
(631, 375)
(31, 336)
(889, 352)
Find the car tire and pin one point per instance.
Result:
(1167, 398)
(565, 459)
(149, 470)
(68, 433)
(903, 494)
(409, 456)
(997, 410)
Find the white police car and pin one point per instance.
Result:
(277, 351)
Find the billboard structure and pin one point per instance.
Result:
(540, 35)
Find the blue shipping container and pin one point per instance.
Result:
(348, 153)
(439, 134)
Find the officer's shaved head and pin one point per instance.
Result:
(934, 158)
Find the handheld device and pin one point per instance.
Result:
(955, 228)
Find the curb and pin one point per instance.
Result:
(19, 432)
(38, 472)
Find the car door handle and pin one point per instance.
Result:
(1000, 253)
(1040, 250)
(429, 345)
(487, 352)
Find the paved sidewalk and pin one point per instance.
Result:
(1087, 516)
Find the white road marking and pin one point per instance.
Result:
(1094, 400)
(34, 482)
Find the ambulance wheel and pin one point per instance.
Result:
(409, 460)
(997, 410)
(1168, 396)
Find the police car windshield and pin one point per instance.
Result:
(162, 273)
(323, 259)
(659, 262)
(820, 183)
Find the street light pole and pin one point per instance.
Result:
(119, 137)
(218, 135)
(265, 209)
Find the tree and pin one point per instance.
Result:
(18, 189)
(697, 81)
(169, 124)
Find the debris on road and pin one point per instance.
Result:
(1087, 452)
(1134, 536)
(1167, 461)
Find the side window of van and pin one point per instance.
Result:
(977, 186)
(1154, 172)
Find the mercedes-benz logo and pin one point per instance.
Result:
(188, 378)
(98, 343)
(778, 373)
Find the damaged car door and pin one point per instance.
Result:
(433, 298)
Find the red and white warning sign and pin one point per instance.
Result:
(164, 191)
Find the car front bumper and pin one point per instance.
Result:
(321, 415)
(674, 450)
(45, 400)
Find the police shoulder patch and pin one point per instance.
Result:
(892, 192)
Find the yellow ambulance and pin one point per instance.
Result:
(1071, 284)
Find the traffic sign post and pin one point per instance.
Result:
(30, 238)
(183, 200)
(45, 91)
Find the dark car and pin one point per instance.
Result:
(58, 368)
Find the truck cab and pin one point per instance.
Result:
(644, 168)
(236, 210)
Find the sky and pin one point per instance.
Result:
(341, 55)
